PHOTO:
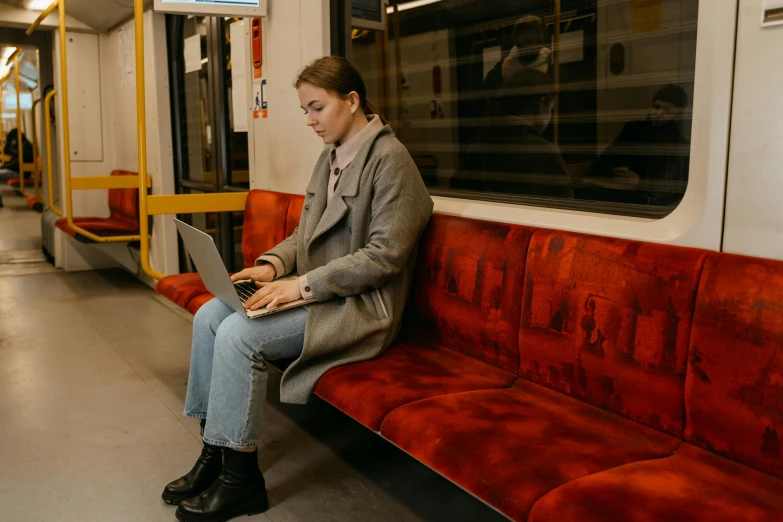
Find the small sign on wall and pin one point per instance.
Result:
(259, 99)
(772, 14)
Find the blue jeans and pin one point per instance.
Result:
(227, 384)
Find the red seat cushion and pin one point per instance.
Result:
(406, 372)
(294, 213)
(266, 216)
(181, 288)
(124, 214)
(198, 301)
(100, 226)
(465, 295)
(510, 447)
(124, 203)
(690, 486)
(734, 391)
(14, 182)
(608, 320)
(33, 202)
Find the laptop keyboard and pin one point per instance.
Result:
(245, 289)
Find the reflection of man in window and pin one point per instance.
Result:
(511, 155)
(649, 159)
(529, 52)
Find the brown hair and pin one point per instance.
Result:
(336, 75)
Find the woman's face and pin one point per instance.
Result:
(327, 114)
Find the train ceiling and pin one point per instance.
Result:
(101, 15)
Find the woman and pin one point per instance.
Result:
(353, 252)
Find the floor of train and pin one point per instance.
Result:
(93, 373)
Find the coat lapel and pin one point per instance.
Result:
(347, 187)
(317, 189)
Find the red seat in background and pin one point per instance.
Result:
(124, 214)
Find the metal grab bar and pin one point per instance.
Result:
(49, 175)
(67, 147)
(46, 12)
(23, 167)
(196, 203)
(141, 134)
(36, 169)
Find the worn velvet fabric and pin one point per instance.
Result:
(510, 447)
(690, 486)
(406, 372)
(466, 294)
(181, 288)
(734, 390)
(197, 302)
(123, 218)
(266, 222)
(608, 320)
(294, 213)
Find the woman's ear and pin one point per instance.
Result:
(353, 97)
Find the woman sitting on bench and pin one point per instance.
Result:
(354, 252)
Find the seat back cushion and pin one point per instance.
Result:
(466, 293)
(734, 387)
(124, 203)
(608, 321)
(294, 213)
(266, 215)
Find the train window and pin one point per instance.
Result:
(577, 104)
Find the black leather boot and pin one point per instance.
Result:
(204, 473)
(239, 490)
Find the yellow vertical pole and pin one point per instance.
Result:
(36, 171)
(49, 172)
(66, 120)
(141, 128)
(19, 148)
(556, 73)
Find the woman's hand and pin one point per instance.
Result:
(262, 273)
(273, 294)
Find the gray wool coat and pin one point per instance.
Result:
(359, 253)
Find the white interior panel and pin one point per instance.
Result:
(294, 33)
(84, 89)
(754, 214)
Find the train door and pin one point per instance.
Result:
(210, 147)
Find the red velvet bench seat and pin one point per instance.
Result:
(567, 377)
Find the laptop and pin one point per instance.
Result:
(213, 273)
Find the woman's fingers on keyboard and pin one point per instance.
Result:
(258, 298)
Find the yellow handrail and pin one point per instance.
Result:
(67, 145)
(36, 171)
(107, 182)
(195, 203)
(23, 167)
(46, 12)
(141, 127)
(49, 175)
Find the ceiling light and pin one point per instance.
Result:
(37, 5)
(408, 5)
